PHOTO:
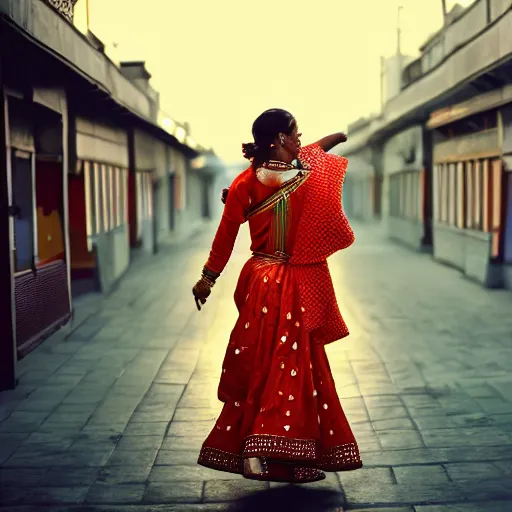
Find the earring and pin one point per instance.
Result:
(281, 139)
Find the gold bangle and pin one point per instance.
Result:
(210, 274)
(208, 279)
(207, 282)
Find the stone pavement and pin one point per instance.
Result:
(110, 416)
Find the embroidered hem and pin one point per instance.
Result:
(220, 460)
(285, 450)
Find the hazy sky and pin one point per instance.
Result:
(219, 64)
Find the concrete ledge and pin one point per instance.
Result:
(468, 251)
(405, 231)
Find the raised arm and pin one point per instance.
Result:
(329, 142)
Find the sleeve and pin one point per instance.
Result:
(232, 218)
(333, 165)
(336, 166)
(311, 152)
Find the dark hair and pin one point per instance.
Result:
(265, 130)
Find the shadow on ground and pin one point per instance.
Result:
(298, 499)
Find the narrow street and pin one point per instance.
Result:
(110, 416)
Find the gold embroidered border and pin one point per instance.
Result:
(288, 188)
(344, 457)
(223, 461)
(305, 474)
(280, 447)
(339, 458)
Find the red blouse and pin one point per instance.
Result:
(246, 191)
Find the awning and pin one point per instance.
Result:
(99, 88)
(481, 103)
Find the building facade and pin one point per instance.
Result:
(472, 187)
(363, 182)
(36, 167)
(89, 175)
(405, 189)
(440, 143)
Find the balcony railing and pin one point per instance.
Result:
(64, 7)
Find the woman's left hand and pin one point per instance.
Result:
(329, 142)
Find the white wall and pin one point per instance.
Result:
(477, 55)
(395, 151)
(144, 151)
(178, 166)
(400, 145)
(162, 195)
(393, 67)
(100, 142)
(358, 200)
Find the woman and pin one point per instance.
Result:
(282, 419)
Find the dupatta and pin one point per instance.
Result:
(323, 230)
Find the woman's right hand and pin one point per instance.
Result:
(201, 292)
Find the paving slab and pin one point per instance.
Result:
(111, 416)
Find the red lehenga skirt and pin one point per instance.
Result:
(282, 419)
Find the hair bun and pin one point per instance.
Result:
(249, 150)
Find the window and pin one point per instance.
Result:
(106, 195)
(37, 190)
(469, 195)
(112, 197)
(140, 203)
(119, 197)
(49, 211)
(97, 198)
(452, 194)
(496, 193)
(486, 197)
(438, 196)
(444, 193)
(23, 192)
(125, 217)
(90, 208)
(144, 185)
(406, 195)
(477, 182)
(149, 195)
(460, 195)
(496, 176)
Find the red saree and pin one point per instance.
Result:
(280, 401)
